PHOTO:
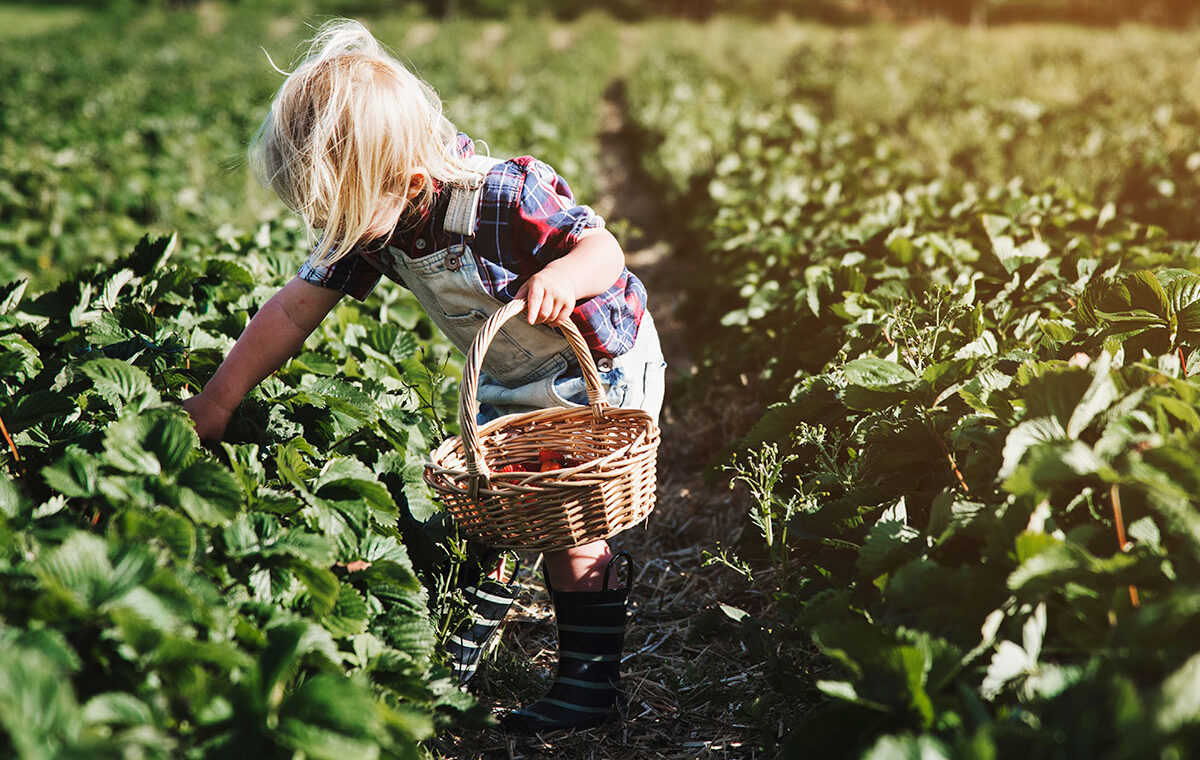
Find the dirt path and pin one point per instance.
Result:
(684, 689)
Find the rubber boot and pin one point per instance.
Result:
(591, 633)
(488, 603)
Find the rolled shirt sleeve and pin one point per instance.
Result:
(351, 275)
(548, 221)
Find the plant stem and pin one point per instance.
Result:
(1182, 361)
(949, 457)
(1117, 515)
(8, 438)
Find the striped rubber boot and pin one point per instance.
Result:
(488, 603)
(591, 632)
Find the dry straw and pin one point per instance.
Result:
(609, 487)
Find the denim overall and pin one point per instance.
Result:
(527, 366)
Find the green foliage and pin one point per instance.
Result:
(167, 601)
(978, 385)
(144, 126)
(282, 595)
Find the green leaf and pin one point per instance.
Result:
(148, 255)
(117, 708)
(156, 528)
(226, 271)
(36, 407)
(1025, 436)
(349, 615)
(844, 690)
(329, 718)
(1096, 399)
(287, 644)
(12, 502)
(404, 625)
(889, 545)
(11, 294)
(877, 373)
(123, 447)
(172, 439)
(121, 384)
(79, 570)
(74, 474)
(1180, 702)
(321, 583)
(209, 493)
(1146, 293)
(37, 702)
(908, 747)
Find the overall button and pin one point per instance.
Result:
(604, 364)
(453, 262)
(420, 244)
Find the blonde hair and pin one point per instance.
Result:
(353, 131)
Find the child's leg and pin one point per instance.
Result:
(580, 568)
(591, 632)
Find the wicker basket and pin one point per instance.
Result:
(610, 485)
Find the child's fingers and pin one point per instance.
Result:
(533, 298)
(549, 307)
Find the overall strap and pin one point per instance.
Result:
(464, 198)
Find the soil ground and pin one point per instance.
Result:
(685, 690)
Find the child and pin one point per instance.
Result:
(358, 146)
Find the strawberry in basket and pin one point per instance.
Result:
(548, 459)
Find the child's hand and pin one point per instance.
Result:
(587, 270)
(210, 418)
(550, 295)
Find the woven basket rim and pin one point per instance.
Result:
(435, 465)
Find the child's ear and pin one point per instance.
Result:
(417, 182)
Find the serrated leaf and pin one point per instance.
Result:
(117, 708)
(74, 475)
(1146, 293)
(870, 372)
(148, 255)
(889, 545)
(227, 271)
(123, 447)
(172, 440)
(111, 291)
(11, 294)
(1025, 436)
(1008, 663)
(321, 583)
(1098, 397)
(286, 645)
(209, 493)
(33, 408)
(908, 747)
(329, 718)
(844, 690)
(80, 570)
(121, 384)
(153, 528)
(349, 615)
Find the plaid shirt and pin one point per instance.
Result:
(527, 218)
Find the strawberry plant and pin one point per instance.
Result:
(264, 596)
(974, 480)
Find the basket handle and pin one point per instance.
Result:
(468, 405)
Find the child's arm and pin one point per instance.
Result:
(589, 269)
(275, 334)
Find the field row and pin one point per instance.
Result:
(285, 594)
(960, 268)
